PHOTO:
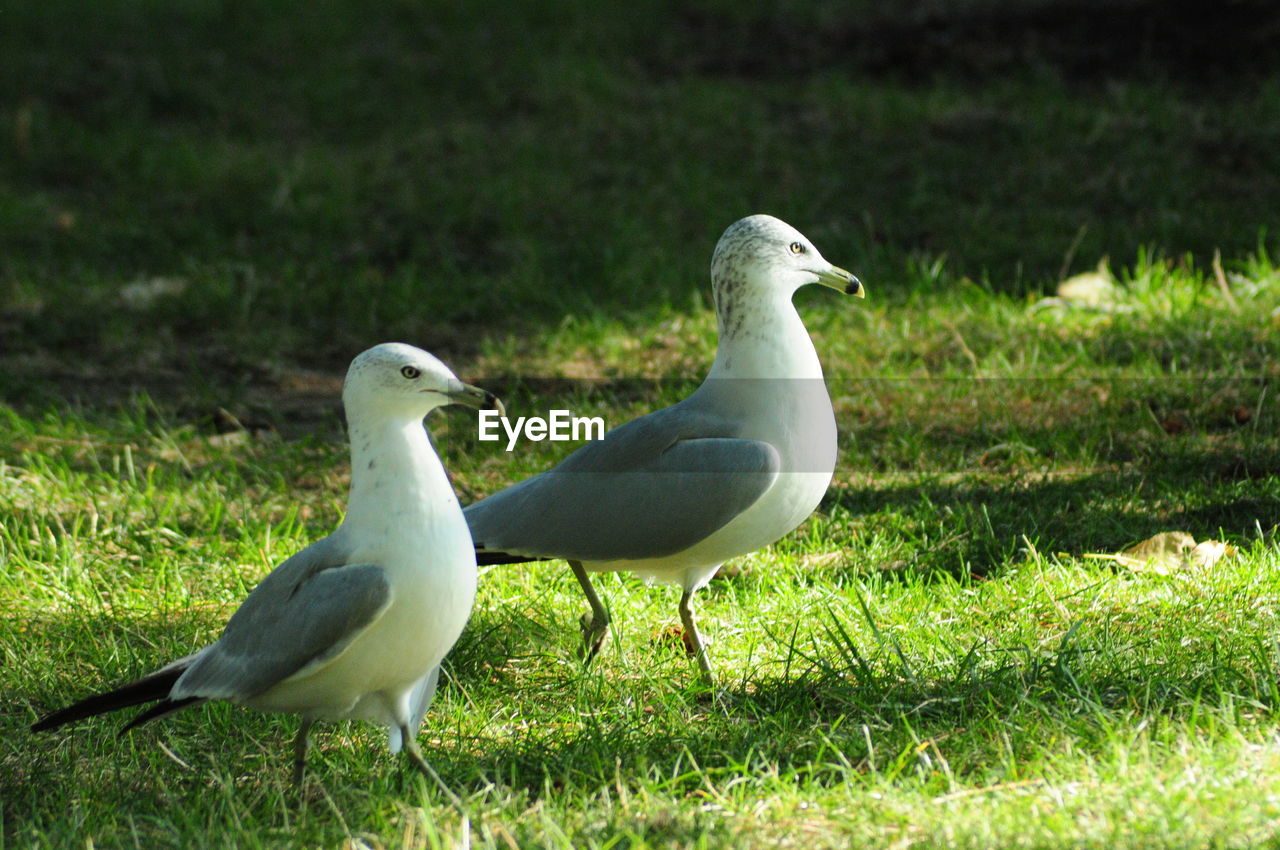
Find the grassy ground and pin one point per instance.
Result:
(207, 209)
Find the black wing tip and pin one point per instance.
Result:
(49, 721)
(78, 711)
(147, 689)
(160, 709)
(488, 558)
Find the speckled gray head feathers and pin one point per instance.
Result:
(761, 258)
(764, 252)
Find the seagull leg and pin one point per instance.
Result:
(595, 625)
(415, 756)
(697, 647)
(300, 746)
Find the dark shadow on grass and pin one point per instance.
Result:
(1082, 40)
(818, 723)
(850, 709)
(975, 523)
(291, 189)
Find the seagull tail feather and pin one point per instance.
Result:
(160, 709)
(147, 689)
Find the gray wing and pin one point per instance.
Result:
(650, 488)
(305, 612)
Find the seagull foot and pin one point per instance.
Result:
(415, 756)
(594, 635)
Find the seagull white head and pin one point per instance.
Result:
(396, 379)
(761, 253)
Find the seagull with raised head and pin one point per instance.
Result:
(739, 463)
(356, 624)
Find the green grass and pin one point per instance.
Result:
(393, 170)
(930, 660)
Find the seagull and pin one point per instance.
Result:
(739, 463)
(356, 624)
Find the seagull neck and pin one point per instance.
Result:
(396, 476)
(763, 337)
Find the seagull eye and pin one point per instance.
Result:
(410, 372)
(797, 248)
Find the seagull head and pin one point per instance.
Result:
(395, 379)
(764, 253)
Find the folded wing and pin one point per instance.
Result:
(651, 488)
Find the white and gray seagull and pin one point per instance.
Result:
(356, 624)
(739, 463)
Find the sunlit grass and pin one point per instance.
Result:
(930, 658)
(207, 209)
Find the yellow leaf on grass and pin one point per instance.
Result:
(1168, 552)
(1209, 552)
(1168, 547)
(1091, 289)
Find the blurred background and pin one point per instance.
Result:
(198, 193)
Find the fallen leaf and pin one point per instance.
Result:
(1163, 546)
(1094, 291)
(1091, 289)
(1169, 552)
(1209, 552)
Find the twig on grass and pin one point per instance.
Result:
(1220, 277)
